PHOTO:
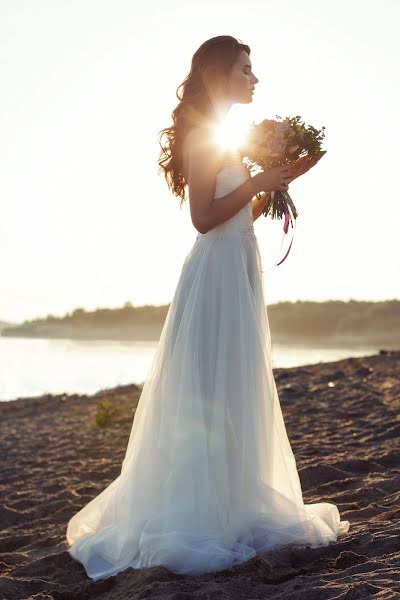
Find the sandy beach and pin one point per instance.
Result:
(343, 422)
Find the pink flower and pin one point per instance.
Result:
(277, 147)
(282, 127)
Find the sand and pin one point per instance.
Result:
(345, 438)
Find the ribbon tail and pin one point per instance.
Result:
(285, 229)
(287, 217)
(281, 261)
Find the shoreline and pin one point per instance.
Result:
(152, 333)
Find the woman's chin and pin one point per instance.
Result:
(245, 100)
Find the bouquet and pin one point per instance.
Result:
(277, 143)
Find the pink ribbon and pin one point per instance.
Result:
(285, 229)
(287, 217)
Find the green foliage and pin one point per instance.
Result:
(305, 319)
(125, 316)
(310, 138)
(106, 409)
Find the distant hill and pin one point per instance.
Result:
(126, 323)
(337, 322)
(4, 324)
(333, 322)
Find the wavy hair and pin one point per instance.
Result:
(196, 94)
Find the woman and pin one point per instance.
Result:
(209, 478)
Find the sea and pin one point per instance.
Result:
(36, 366)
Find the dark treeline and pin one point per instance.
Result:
(336, 317)
(147, 314)
(300, 319)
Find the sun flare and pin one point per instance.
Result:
(230, 133)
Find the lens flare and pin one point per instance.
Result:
(230, 133)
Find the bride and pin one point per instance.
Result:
(209, 478)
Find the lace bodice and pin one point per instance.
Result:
(228, 179)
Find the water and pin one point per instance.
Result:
(33, 366)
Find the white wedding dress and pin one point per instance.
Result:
(209, 478)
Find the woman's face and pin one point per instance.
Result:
(241, 80)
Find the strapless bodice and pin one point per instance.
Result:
(228, 179)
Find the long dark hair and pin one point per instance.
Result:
(215, 57)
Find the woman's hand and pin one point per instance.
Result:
(276, 179)
(304, 164)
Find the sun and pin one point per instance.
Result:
(230, 133)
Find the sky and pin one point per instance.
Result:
(86, 219)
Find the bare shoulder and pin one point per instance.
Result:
(196, 136)
(198, 144)
(200, 140)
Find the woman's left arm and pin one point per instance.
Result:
(258, 203)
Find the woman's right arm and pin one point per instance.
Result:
(204, 161)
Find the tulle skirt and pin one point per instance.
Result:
(209, 478)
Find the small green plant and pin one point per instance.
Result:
(106, 409)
